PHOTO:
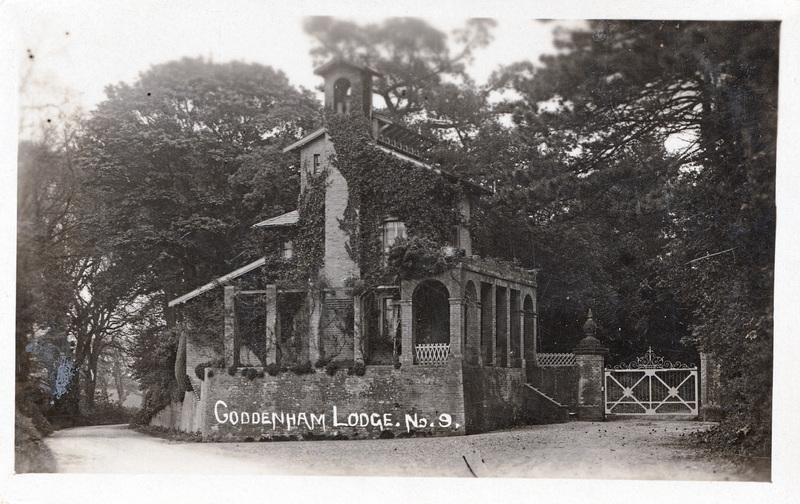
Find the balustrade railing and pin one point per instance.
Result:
(555, 359)
(432, 354)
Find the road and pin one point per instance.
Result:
(620, 449)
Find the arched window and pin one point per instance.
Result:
(341, 95)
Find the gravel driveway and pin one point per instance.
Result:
(618, 449)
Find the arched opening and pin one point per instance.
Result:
(528, 328)
(431, 312)
(472, 324)
(341, 95)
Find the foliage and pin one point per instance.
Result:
(185, 160)
(381, 185)
(688, 238)
(419, 75)
(178, 166)
(154, 352)
(200, 369)
(420, 257)
(302, 369)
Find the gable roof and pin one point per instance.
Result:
(218, 281)
(305, 140)
(287, 219)
(326, 67)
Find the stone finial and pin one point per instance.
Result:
(590, 345)
(590, 326)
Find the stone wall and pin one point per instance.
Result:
(384, 402)
(198, 352)
(560, 383)
(494, 398)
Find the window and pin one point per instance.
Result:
(287, 251)
(393, 229)
(315, 166)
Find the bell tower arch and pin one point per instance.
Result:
(347, 86)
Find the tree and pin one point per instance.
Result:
(179, 165)
(423, 78)
(715, 86)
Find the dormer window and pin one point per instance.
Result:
(341, 95)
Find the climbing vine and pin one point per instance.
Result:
(308, 239)
(381, 184)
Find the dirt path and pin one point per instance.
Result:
(629, 449)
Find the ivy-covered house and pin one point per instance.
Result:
(368, 315)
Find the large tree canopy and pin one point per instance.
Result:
(185, 160)
(178, 167)
(585, 161)
(423, 78)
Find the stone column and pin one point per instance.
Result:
(710, 410)
(475, 330)
(493, 327)
(509, 314)
(271, 317)
(315, 300)
(358, 331)
(456, 327)
(406, 332)
(590, 357)
(521, 314)
(231, 324)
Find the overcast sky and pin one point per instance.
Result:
(70, 54)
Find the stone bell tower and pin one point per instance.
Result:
(348, 87)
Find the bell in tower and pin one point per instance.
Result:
(348, 87)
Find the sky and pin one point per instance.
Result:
(68, 55)
(80, 46)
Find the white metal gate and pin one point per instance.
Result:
(651, 386)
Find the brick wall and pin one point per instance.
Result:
(560, 383)
(385, 400)
(494, 398)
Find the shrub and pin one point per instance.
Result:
(302, 369)
(250, 373)
(200, 369)
(331, 368)
(272, 369)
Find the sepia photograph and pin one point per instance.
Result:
(429, 254)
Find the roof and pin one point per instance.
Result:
(287, 219)
(326, 67)
(400, 137)
(218, 281)
(306, 139)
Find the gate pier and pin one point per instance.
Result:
(590, 357)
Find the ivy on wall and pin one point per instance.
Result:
(380, 185)
(308, 239)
